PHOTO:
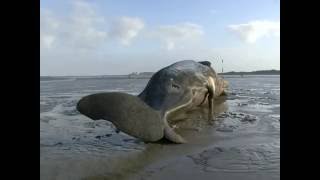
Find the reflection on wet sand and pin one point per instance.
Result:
(197, 138)
(242, 143)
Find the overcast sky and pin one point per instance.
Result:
(103, 37)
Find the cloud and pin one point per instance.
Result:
(48, 26)
(47, 40)
(83, 29)
(178, 34)
(76, 42)
(126, 29)
(252, 31)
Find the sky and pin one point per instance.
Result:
(105, 37)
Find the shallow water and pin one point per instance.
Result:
(245, 139)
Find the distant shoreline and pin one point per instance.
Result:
(145, 75)
(262, 72)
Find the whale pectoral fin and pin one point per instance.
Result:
(173, 136)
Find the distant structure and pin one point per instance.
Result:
(132, 75)
(221, 74)
(140, 75)
(222, 65)
(260, 72)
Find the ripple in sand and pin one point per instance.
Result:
(230, 121)
(264, 157)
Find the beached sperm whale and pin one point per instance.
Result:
(180, 87)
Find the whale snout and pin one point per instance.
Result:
(80, 106)
(87, 107)
(127, 112)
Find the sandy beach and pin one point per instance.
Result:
(243, 143)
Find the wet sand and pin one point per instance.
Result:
(243, 142)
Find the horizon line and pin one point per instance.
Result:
(154, 72)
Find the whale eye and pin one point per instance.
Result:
(175, 86)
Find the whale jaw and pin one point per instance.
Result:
(173, 136)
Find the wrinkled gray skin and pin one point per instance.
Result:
(182, 86)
